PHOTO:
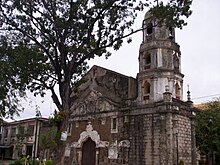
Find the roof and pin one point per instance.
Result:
(105, 81)
(26, 121)
(200, 106)
(105, 84)
(120, 74)
(148, 15)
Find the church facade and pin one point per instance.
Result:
(116, 119)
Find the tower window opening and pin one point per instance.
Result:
(149, 28)
(177, 90)
(176, 62)
(147, 61)
(69, 129)
(171, 33)
(114, 125)
(146, 88)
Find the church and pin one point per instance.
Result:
(121, 120)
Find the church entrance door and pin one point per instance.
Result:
(88, 152)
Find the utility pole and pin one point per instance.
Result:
(35, 146)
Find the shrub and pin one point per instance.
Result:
(49, 162)
(36, 162)
(16, 162)
(19, 161)
(181, 162)
(201, 162)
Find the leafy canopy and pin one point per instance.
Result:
(48, 140)
(208, 129)
(44, 44)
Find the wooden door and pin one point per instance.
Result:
(88, 152)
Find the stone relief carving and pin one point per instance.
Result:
(113, 150)
(93, 103)
(93, 95)
(103, 105)
(82, 108)
(75, 145)
(124, 143)
(89, 133)
(67, 150)
(112, 153)
(103, 144)
(114, 84)
(103, 121)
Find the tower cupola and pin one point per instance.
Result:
(156, 29)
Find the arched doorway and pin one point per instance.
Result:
(88, 152)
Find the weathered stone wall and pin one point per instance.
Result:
(184, 139)
(160, 137)
(144, 138)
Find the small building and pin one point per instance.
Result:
(21, 138)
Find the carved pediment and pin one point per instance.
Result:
(93, 102)
(103, 105)
(90, 133)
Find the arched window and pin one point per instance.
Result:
(147, 58)
(147, 61)
(149, 28)
(146, 90)
(146, 87)
(171, 34)
(114, 125)
(176, 62)
(177, 90)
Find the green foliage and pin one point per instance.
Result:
(17, 162)
(201, 162)
(48, 162)
(57, 120)
(22, 161)
(181, 162)
(48, 43)
(173, 12)
(20, 137)
(208, 129)
(22, 134)
(49, 140)
(25, 161)
(36, 162)
(58, 117)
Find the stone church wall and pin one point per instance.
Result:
(160, 138)
(144, 138)
(184, 139)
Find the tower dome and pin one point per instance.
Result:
(148, 15)
(153, 28)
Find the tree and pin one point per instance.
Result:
(208, 131)
(48, 143)
(21, 138)
(46, 44)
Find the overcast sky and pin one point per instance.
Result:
(200, 48)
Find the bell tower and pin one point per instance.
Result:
(159, 62)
